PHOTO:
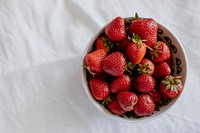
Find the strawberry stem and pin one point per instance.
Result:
(107, 100)
(136, 16)
(128, 70)
(136, 39)
(129, 67)
(88, 69)
(151, 49)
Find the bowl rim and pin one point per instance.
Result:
(103, 109)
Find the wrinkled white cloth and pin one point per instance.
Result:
(41, 47)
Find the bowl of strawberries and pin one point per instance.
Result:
(134, 69)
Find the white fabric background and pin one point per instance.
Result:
(41, 44)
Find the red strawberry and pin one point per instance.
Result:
(161, 70)
(146, 29)
(115, 108)
(146, 66)
(102, 43)
(135, 50)
(160, 52)
(99, 89)
(127, 100)
(155, 95)
(94, 59)
(121, 83)
(114, 64)
(144, 83)
(116, 30)
(145, 105)
(171, 86)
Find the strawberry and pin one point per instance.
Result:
(161, 70)
(135, 50)
(93, 61)
(101, 43)
(121, 83)
(114, 64)
(99, 89)
(160, 52)
(146, 29)
(115, 108)
(127, 100)
(145, 105)
(146, 66)
(116, 30)
(155, 95)
(144, 83)
(171, 86)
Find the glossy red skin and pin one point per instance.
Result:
(114, 64)
(94, 59)
(121, 83)
(145, 105)
(144, 83)
(134, 52)
(169, 93)
(100, 44)
(116, 30)
(146, 29)
(161, 70)
(165, 53)
(150, 63)
(99, 89)
(155, 95)
(127, 100)
(115, 108)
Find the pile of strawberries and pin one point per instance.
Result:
(129, 70)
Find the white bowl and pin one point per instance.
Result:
(179, 63)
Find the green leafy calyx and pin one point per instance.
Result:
(144, 69)
(172, 83)
(136, 39)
